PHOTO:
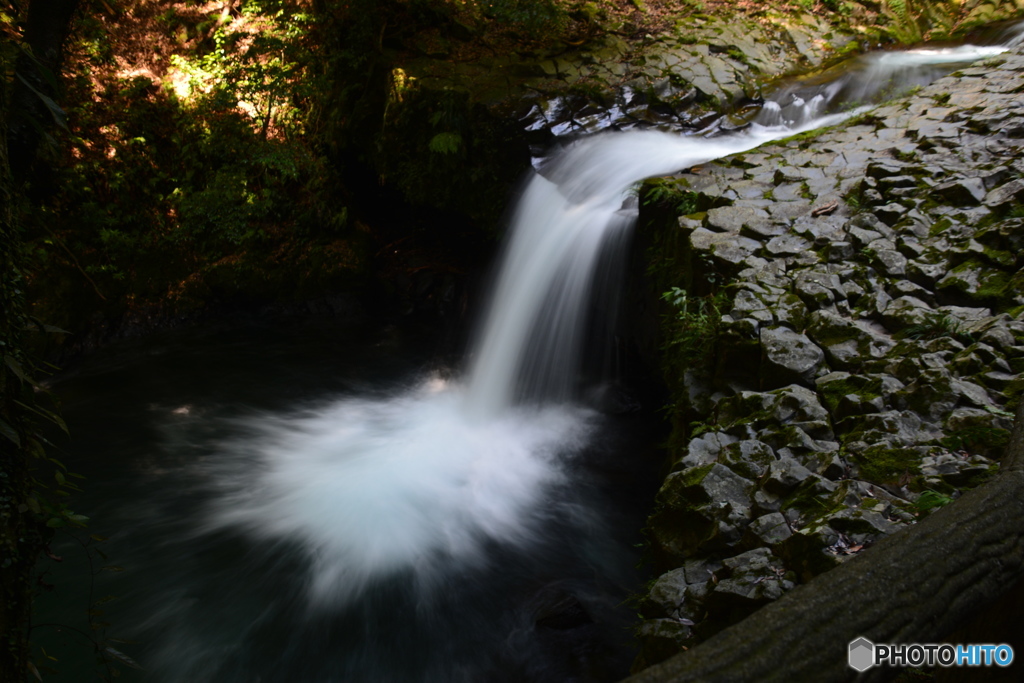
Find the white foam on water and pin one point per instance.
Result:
(371, 487)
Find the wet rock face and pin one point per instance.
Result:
(867, 354)
(681, 80)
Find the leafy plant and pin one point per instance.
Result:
(938, 326)
(929, 500)
(694, 324)
(533, 18)
(258, 64)
(171, 196)
(108, 656)
(672, 193)
(914, 21)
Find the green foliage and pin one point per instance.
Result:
(938, 326)
(442, 150)
(532, 18)
(672, 193)
(170, 197)
(929, 500)
(446, 143)
(914, 21)
(34, 485)
(854, 199)
(693, 325)
(258, 64)
(839, 7)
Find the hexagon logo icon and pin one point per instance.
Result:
(862, 654)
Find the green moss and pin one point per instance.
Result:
(939, 227)
(810, 135)
(1014, 390)
(999, 257)
(797, 309)
(733, 411)
(977, 439)
(867, 389)
(830, 336)
(737, 55)
(904, 155)
(737, 161)
(810, 501)
(976, 479)
(884, 465)
(994, 286)
(694, 475)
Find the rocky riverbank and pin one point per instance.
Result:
(870, 343)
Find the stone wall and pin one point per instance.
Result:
(870, 344)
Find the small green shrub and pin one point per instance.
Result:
(929, 500)
(672, 193)
(938, 326)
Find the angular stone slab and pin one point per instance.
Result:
(915, 586)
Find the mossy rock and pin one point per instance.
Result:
(813, 498)
(977, 282)
(805, 552)
(885, 465)
(834, 390)
(980, 439)
(698, 508)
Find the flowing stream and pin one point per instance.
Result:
(298, 505)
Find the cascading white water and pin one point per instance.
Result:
(530, 346)
(870, 78)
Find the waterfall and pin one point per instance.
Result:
(530, 346)
(440, 529)
(427, 479)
